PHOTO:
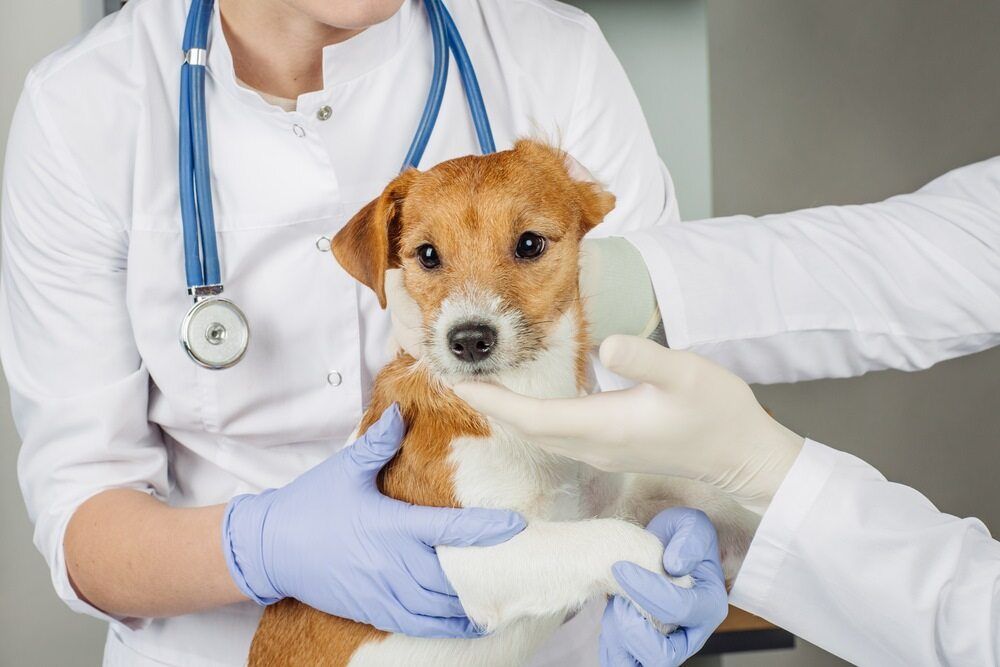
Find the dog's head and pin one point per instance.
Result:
(488, 247)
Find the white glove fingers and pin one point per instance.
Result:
(642, 360)
(407, 321)
(521, 412)
(563, 426)
(396, 295)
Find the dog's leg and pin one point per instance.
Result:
(510, 647)
(551, 568)
(646, 495)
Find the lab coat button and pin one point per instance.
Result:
(324, 112)
(323, 244)
(334, 378)
(299, 132)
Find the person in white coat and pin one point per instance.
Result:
(867, 569)
(132, 455)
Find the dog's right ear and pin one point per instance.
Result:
(595, 201)
(368, 245)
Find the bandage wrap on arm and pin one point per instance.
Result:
(617, 291)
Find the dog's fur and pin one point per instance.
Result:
(580, 520)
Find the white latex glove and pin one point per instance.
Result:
(407, 323)
(688, 417)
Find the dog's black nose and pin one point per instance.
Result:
(472, 342)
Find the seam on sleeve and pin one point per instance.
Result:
(581, 17)
(771, 544)
(58, 142)
(860, 332)
(112, 30)
(587, 63)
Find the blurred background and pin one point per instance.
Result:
(757, 106)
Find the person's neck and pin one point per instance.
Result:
(276, 49)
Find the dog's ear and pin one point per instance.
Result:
(594, 201)
(595, 204)
(368, 245)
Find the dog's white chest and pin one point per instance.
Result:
(504, 471)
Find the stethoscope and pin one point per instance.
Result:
(215, 332)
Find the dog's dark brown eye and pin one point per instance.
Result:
(427, 255)
(529, 246)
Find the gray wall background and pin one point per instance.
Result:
(35, 627)
(808, 102)
(816, 102)
(663, 45)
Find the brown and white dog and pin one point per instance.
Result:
(488, 247)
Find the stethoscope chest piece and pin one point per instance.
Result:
(215, 333)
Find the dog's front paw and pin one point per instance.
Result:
(646, 551)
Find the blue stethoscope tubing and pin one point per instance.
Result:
(201, 253)
(447, 38)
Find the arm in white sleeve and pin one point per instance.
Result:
(608, 134)
(840, 290)
(871, 570)
(78, 386)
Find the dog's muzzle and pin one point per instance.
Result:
(472, 342)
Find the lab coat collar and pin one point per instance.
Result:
(367, 50)
(342, 62)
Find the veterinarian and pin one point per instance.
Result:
(865, 568)
(144, 473)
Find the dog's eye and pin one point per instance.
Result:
(529, 246)
(427, 255)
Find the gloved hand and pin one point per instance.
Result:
(630, 640)
(689, 417)
(407, 322)
(331, 540)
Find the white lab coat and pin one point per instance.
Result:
(93, 288)
(866, 569)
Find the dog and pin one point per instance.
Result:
(488, 248)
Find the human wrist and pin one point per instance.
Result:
(242, 546)
(616, 289)
(773, 454)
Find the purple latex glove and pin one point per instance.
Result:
(691, 547)
(330, 539)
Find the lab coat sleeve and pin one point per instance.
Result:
(78, 387)
(871, 570)
(840, 290)
(608, 134)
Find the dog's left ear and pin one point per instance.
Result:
(595, 201)
(368, 245)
